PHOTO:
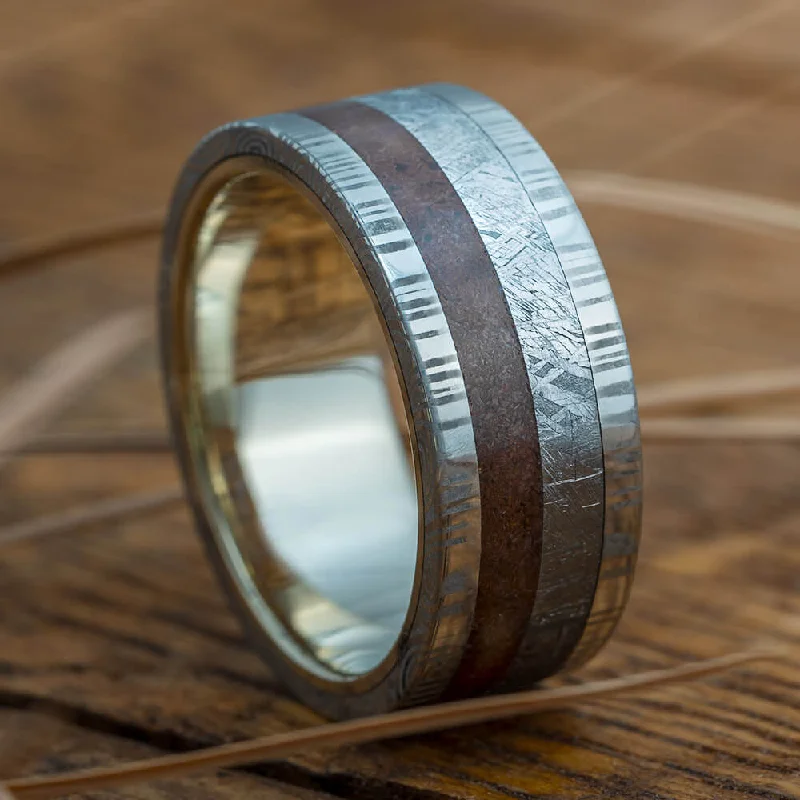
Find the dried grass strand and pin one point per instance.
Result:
(77, 242)
(112, 510)
(692, 392)
(99, 442)
(686, 201)
(401, 723)
(58, 377)
(715, 429)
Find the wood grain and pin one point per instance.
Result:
(46, 743)
(115, 642)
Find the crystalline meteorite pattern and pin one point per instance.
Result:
(608, 355)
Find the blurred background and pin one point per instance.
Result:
(101, 102)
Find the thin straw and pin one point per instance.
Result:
(731, 429)
(688, 392)
(360, 731)
(72, 243)
(112, 510)
(686, 201)
(99, 442)
(56, 380)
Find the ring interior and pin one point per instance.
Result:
(298, 428)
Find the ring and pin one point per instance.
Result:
(401, 399)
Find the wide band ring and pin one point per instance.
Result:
(401, 398)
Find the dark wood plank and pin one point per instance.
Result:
(100, 626)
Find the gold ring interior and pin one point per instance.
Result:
(298, 429)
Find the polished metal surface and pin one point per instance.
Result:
(342, 438)
(301, 403)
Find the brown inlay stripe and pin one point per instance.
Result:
(493, 367)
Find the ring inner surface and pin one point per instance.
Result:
(298, 428)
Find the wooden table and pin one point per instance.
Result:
(115, 642)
